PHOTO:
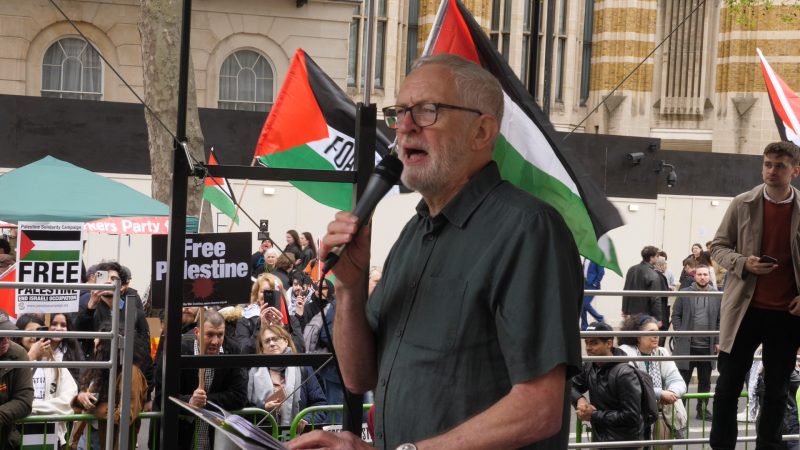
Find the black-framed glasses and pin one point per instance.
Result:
(422, 114)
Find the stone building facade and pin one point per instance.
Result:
(702, 90)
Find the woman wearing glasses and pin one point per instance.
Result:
(283, 391)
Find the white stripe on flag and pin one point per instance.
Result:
(520, 131)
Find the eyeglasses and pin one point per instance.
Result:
(274, 339)
(422, 114)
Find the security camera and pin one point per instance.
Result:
(672, 178)
(635, 158)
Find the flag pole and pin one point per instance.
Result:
(241, 196)
(200, 215)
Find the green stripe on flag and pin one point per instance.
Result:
(52, 255)
(221, 201)
(336, 195)
(526, 176)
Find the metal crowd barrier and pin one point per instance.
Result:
(113, 336)
(259, 416)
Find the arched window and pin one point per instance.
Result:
(246, 82)
(72, 69)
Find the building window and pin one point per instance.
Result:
(501, 26)
(528, 60)
(586, 62)
(357, 55)
(412, 39)
(246, 82)
(561, 51)
(72, 69)
(537, 61)
(685, 69)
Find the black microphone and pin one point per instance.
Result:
(385, 175)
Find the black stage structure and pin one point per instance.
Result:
(174, 362)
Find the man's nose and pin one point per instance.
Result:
(406, 123)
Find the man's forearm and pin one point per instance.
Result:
(516, 420)
(354, 341)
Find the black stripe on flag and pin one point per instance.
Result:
(604, 215)
(53, 235)
(337, 108)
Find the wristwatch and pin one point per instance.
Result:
(406, 446)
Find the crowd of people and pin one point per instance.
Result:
(284, 314)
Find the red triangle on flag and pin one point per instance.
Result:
(211, 181)
(296, 117)
(25, 245)
(454, 37)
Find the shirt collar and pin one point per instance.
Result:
(461, 207)
(788, 199)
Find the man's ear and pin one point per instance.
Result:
(484, 131)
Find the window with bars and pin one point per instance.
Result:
(527, 20)
(72, 69)
(357, 55)
(561, 51)
(501, 26)
(586, 58)
(246, 82)
(684, 62)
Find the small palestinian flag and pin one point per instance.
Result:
(312, 126)
(218, 192)
(527, 150)
(785, 103)
(47, 245)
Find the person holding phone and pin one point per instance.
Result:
(267, 307)
(53, 388)
(757, 243)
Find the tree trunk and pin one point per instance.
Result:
(160, 31)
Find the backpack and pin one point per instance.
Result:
(649, 400)
(312, 332)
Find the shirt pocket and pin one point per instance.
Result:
(435, 316)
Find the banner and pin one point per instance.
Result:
(216, 271)
(129, 225)
(48, 252)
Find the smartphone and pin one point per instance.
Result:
(42, 328)
(101, 277)
(767, 259)
(271, 299)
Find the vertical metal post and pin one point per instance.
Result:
(175, 256)
(548, 56)
(112, 377)
(127, 374)
(365, 162)
(368, 30)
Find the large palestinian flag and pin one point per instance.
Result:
(527, 150)
(218, 192)
(785, 103)
(312, 126)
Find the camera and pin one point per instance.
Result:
(263, 230)
(635, 158)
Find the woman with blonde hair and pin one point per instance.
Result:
(267, 306)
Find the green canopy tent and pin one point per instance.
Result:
(51, 190)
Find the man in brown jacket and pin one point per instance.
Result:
(16, 388)
(761, 303)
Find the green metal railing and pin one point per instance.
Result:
(313, 409)
(259, 417)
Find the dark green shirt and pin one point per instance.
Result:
(481, 297)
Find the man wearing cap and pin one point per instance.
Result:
(16, 387)
(615, 411)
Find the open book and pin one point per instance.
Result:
(236, 428)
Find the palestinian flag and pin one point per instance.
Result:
(312, 126)
(785, 103)
(218, 192)
(47, 245)
(527, 150)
